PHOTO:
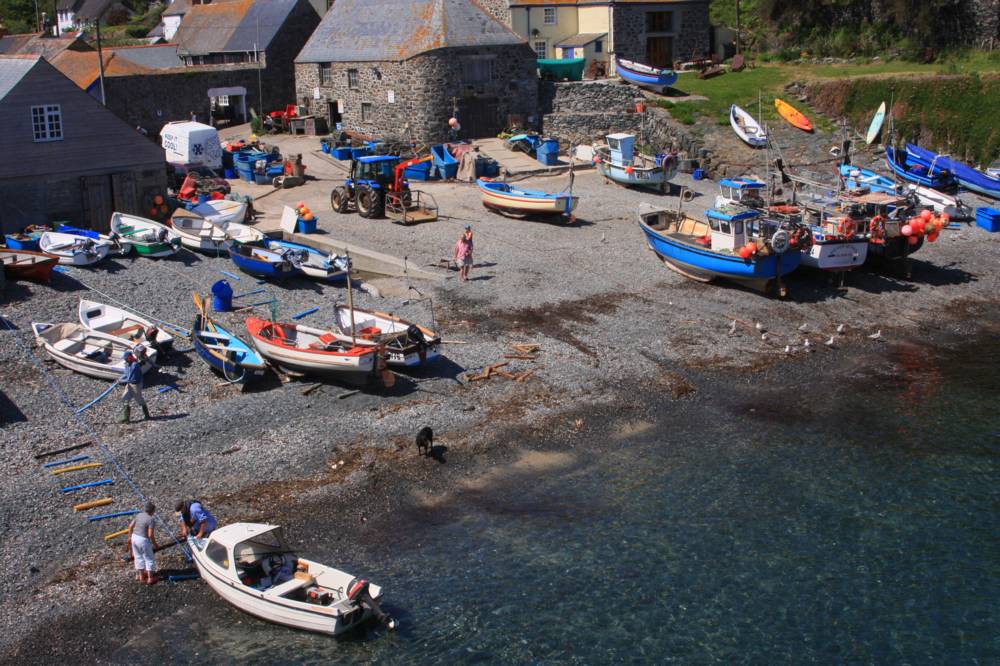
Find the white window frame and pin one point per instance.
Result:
(47, 123)
(352, 80)
(550, 16)
(545, 48)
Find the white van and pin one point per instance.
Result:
(191, 143)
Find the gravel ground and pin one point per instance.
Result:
(608, 315)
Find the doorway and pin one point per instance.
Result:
(228, 105)
(660, 51)
(480, 117)
(333, 113)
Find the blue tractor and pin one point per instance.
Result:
(376, 186)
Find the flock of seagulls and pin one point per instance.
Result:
(841, 329)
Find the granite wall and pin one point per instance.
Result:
(690, 33)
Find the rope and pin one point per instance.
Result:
(96, 400)
(85, 424)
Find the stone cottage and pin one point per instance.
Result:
(402, 68)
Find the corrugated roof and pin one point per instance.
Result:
(582, 39)
(13, 69)
(232, 26)
(395, 30)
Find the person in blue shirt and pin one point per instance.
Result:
(195, 519)
(132, 380)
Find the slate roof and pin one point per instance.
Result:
(157, 56)
(396, 30)
(232, 25)
(38, 44)
(12, 70)
(84, 9)
(178, 7)
(82, 68)
(582, 39)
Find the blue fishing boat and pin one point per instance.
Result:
(617, 160)
(967, 177)
(259, 261)
(312, 262)
(644, 75)
(224, 352)
(928, 175)
(444, 162)
(509, 199)
(720, 248)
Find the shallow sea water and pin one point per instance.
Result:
(858, 526)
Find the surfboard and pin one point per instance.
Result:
(876, 125)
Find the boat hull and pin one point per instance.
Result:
(892, 249)
(317, 267)
(748, 129)
(226, 364)
(969, 178)
(876, 125)
(705, 265)
(406, 353)
(70, 358)
(27, 265)
(836, 255)
(530, 203)
(62, 246)
(653, 179)
(934, 180)
(26, 242)
(277, 269)
(659, 79)
(111, 321)
(794, 117)
(345, 365)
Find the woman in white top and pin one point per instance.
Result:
(142, 542)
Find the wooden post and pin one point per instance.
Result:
(92, 504)
(350, 296)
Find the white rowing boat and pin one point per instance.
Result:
(406, 343)
(311, 350)
(74, 250)
(251, 567)
(121, 323)
(747, 128)
(148, 237)
(222, 212)
(88, 352)
(199, 233)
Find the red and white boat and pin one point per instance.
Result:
(312, 351)
(27, 264)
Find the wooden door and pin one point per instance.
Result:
(125, 194)
(97, 202)
(660, 51)
(479, 117)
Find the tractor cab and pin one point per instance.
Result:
(376, 186)
(377, 171)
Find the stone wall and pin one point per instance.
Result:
(498, 9)
(690, 30)
(984, 21)
(423, 89)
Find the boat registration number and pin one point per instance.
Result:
(642, 175)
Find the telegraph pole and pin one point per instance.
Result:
(737, 27)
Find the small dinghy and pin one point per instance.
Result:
(122, 324)
(644, 75)
(312, 262)
(794, 117)
(406, 344)
(73, 250)
(149, 238)
(27, 265)
(904, 165)
(225, 353)
(747, 128)
(259, 261)
(199, 234)
(222, 212)
(509, 199)
(251, 567)
(981, 182)
(120, 245)
(312, 351)
(88, 352)
(27, 239)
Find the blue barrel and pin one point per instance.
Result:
(698, 174)
(548, 152)
(306, 226)
(222, 296)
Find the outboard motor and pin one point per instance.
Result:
(162, 235)
(415, 335)
(357, 591)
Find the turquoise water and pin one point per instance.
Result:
(856, 524)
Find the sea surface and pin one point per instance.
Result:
(853, 519)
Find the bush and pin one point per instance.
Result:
(787, 54)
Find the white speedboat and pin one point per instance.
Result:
(121, 323)
(73, 250)
(88, 352)
(251, 567)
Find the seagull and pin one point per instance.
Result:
(759, 326)
(603, 238)
(806, 345)
(788, 349)
(804, 327)
(841, 328)
(829, 343)
(876, 336)
(732, 329)
(763, 336)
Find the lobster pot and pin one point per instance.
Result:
(892, 229)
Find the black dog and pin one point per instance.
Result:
(425, 441)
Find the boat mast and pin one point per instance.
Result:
(350, 295)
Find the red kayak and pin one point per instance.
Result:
(27, 264)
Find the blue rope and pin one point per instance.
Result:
(89, 428)
(96, 400)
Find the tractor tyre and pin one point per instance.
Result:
(370, 202)
(340, 199)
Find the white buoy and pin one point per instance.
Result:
(788, 349)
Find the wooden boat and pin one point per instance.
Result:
(617, 160)
(251, 567)
(509, 199)
(312, 351)
(969, 178)
(222, 212)
(225, 353)
(916, 171)
(795, 117)
(705, 251)
(747, 128)
(876, 125)
(406, 344)
(312, 262)
(121, 323)
(644, 75)
(885, 214)
(149, 238)
(73, 250)
(88, 352)
(259, 261)
(197, 233)
(120, 245)
(27, 265)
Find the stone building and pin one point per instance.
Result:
(402, 68)
(654, 32)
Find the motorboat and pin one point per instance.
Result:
(312, 351)
(73, 250)
(617, 160)
(259, 261)
(311, 262)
